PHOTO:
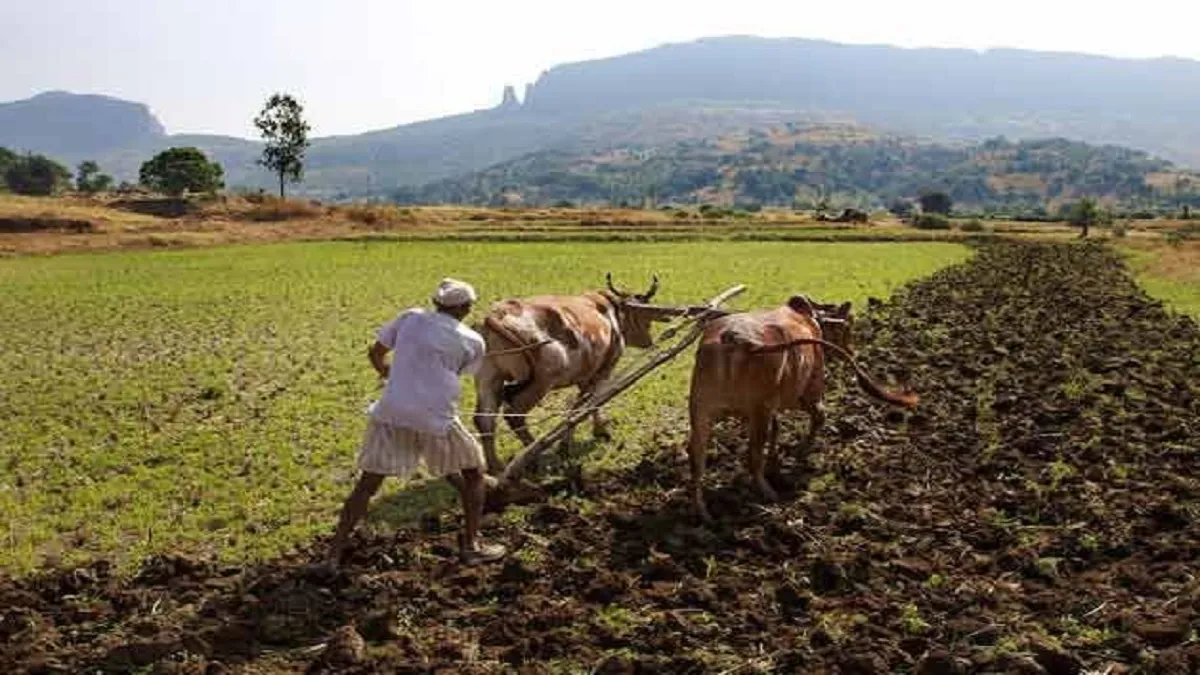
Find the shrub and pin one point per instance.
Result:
(936, 202)
(271, 208)
(901, 208)
(36, 175)
(1120, 229)
(89, 180)
(931, 221)
(376, 215)
(972, 225)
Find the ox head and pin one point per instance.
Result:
(633, 317)
(836, 321)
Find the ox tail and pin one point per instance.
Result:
(906, 399)
(511, 390)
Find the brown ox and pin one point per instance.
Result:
(754, 364)
(550, 342)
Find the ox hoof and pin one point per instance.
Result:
(602, 435)
(768, 493)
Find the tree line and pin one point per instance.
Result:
(176, 171)
(999, 175)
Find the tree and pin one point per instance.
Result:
(8, 158)
(901, 208)
(175, 171)
(282, 126)
(1085, 214)
(36, 175)
(935, 202)
(89, 179)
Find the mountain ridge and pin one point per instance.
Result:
(704, 88)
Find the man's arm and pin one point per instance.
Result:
(375, 354)
(476, 350)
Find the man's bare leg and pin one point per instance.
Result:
(352, 512)
(473, 490)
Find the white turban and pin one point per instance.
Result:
(454, 293)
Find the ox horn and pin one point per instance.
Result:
(645, 297)
(608, 279)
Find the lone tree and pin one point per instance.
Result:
(176, 171)
(1085, 214)
(282, 126)
(935, 202)
(36, 175)
(89, 179)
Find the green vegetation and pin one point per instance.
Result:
(1170, 274)
(1084, 214)
(7, 159)
(89, 180)
(177, 171)
(32, 174)
(935, 202)
(824, 166)
(285, 134)
(212, 399)
(931, 221)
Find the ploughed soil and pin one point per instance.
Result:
(1036, 513)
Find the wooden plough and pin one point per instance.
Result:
(697, 315)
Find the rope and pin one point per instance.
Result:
(518, 350)
(540, 411)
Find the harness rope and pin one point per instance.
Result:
(522, 348)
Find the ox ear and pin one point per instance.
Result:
(801, 305)
(843, 310)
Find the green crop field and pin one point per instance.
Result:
(212, 400)
(1170, 274)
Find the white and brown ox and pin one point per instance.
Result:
(548, 342)
(754, 364)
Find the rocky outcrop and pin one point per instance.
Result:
(509, 100)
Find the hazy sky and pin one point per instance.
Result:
(367, 64)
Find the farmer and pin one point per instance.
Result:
(416, 419)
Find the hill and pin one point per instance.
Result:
(949, 93)
(68, 125)
(851, 164)
(686, 91)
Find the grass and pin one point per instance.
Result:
(1168, 273)
(211, 400)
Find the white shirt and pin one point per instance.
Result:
(430, 350)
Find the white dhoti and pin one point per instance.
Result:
(399, 451)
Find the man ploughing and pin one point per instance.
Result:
(416, 420)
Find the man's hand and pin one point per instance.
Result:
(375, 355)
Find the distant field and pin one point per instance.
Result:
(30, 225)
(212, 399)
(1169, 273)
